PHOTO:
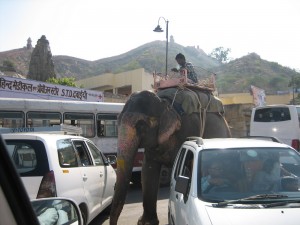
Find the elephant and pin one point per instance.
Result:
(150, 121)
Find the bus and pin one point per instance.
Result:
(98, 120)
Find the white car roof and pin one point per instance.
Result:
(40, 136)
(223, 143)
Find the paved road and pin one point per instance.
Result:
(133, 208)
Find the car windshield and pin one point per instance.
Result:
(229, 174)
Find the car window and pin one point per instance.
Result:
(187, 167)
(276, 114)
(66, 153)
(29, 157)
(240, 172)
(83, 154)
(96, 154)
(179, 163)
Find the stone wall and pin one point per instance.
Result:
(238, 118)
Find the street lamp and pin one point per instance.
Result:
(158, 29)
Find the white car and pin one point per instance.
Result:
(56, 165)
(230, 181)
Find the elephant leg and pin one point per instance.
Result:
(150, 185)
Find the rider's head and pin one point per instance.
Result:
(180, 59)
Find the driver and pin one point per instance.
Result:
(215, 177)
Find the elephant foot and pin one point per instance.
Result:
(143, 221)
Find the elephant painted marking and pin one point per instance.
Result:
(150, 122)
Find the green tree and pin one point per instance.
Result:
(295, 84)
(9, 66)
(220, 54)
(67, 81)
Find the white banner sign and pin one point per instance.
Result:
(259, 96)
(11, 87)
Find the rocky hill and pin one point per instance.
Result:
(235, 76)
(239, 74)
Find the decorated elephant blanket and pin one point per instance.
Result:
(188, 101)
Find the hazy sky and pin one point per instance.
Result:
(96, 29)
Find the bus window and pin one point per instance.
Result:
(12, 119)
(43, 119)
(107, 125)
(83, 120)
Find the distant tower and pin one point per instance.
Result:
(29, 46)
(41, 65)
(172, 39)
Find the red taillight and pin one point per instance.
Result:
(296, 144)
(47, 188)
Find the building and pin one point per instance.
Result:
(117, 87)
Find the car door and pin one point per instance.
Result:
(109, 174)
(92, 176)
(184, 167)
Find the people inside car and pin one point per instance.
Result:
(215, 178)
(268, 178)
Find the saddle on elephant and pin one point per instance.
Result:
(180, 79)
(187, 97)
(188, 100)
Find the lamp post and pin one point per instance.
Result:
(158, 29)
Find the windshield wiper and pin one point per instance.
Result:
(253, 197)
(274, 204)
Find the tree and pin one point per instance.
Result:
(9, 66)
(67, 81)
(220, 54)
(295, 84)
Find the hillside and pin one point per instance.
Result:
(150, 56)
(19, 57)
(235, 76)
(239, 74)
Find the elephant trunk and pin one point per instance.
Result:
(128, 143)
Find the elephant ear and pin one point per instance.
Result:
(169, 123)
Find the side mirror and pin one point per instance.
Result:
(182, 185)
(111, 159)
(57, 211)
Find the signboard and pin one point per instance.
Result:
(259, 96)
(11, 87)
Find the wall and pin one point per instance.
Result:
(135, 80)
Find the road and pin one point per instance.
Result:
(133, 208)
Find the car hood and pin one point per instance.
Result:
(250, 216)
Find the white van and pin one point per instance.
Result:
(280, 121)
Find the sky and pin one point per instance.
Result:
(96, 29)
